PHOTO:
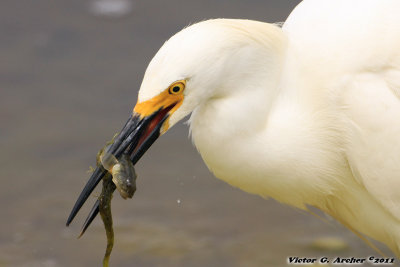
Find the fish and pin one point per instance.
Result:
(106, 215)
(119, 174)
(122, 176)
(122, 170)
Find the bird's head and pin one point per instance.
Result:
(193, 66)
(210, 59)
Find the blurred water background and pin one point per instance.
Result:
(69, 76)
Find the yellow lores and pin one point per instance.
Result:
(170, 99)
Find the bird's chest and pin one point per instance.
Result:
(237, 154)
(228, 157)
(224, 145)
(284, 163)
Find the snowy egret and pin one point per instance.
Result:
(307, 113)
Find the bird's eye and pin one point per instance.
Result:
(177, 88)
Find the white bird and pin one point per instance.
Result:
(307, 113)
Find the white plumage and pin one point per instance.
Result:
(308, 114)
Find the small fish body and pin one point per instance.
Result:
(106, 216)
(124, 177)
(120, 175)
(123, 172)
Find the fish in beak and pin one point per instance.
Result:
(148, 121)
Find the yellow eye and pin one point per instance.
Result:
(177, 88)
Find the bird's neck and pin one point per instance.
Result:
(232, 123)
(251, 137)
(251, 85)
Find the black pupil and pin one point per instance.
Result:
(176, 89)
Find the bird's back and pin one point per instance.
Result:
(349, 52)
(345, 36)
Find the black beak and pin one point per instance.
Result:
(135, 138)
